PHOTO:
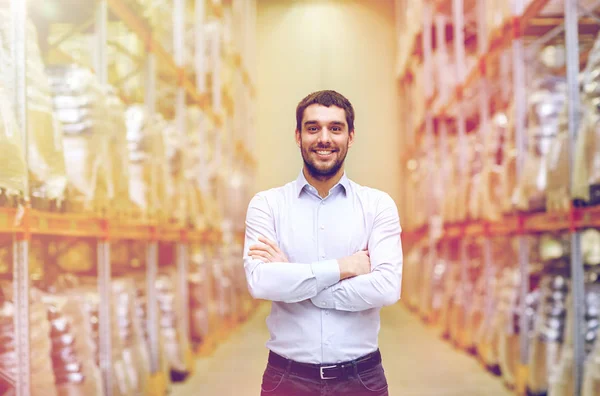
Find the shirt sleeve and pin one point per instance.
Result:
(382, 286)
(283, 282)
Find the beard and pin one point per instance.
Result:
(319, 170)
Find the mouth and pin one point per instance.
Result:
(324, 153)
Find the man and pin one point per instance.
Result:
(326, 251)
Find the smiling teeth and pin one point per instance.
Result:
(324, 152)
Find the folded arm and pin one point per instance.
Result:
(380, 287)
(281, 281)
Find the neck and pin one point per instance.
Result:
(323, 183)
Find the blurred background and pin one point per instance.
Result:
(135, 132)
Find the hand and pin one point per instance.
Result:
(357, 264)
(267, 251)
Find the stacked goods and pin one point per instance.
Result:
(587, 157)
(80, 103)
(45, 154)
(73, 350)
(546, 103)
(135, 350)
(199, 286)
(43, 380)
(13, 173)
(148, 167)
(170, 324)
(141, 305)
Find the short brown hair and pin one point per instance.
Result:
(325, 98)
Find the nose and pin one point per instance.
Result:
(324, 136)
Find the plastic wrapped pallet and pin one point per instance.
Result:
(508, 337)
(142, 314)
(148, 168)
(496, 188)
(557, 169)
(73, 351)
(546, 347)
(135, 350)
(546, 102)
(117, 151)
(121, 382)
(198, 306)
(13, 173)
(170, 324)
(45, 153)
(488, 333)
(561, 380)
(81, 107)
(586, 180)
(550, 324)
(452, 280)
(42, 376)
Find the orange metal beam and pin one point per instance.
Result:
(143, 31)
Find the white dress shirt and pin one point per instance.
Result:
(315, 317)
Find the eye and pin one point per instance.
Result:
(336, 129)
(313, 129)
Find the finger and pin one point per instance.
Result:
(261, 256)
(262, 248)
(262, 259)
(258, 245)
(268, 242)
(259, 252)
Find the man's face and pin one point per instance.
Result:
(324, 140)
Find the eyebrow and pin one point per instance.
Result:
(313, 122)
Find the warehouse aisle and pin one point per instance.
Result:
(417, 362)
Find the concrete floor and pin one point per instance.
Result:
(417, 362)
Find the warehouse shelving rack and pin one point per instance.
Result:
(490, 44)
(24, 223)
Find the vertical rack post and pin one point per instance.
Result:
(200, 58)
(216, 67)
(152, 304)
(577, 271)
(103, 244)
(459, 49)
(484, 116)
(520, 102)
(200, 69)
(184, 300)
(21, 240)
(104, 316)
(152, 244)
(428, 79)
(101, 64)
(182, 247)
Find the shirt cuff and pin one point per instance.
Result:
(327, 273)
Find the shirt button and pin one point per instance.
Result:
(322, 256)
(326, 312)
(324, 304)
(322, 227)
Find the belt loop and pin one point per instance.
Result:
(289, 366)
(355, 368)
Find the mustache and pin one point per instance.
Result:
(320, 146)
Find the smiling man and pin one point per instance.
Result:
(326, 251)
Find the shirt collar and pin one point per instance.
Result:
(301, 182)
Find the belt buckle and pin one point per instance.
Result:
(323, 374)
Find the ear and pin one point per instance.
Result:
(350, 138)
(298, 141)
